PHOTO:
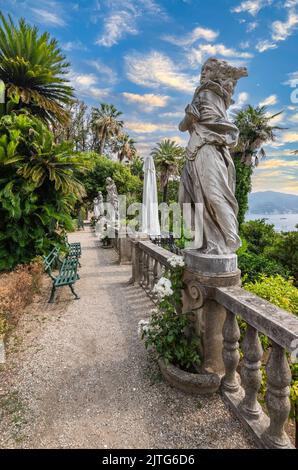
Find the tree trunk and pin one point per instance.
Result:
(165, 193)
(102, 144)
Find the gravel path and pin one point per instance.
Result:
(86, 380)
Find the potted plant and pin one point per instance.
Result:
(170, 333)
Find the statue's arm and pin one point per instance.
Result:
(185, 124)
(192, 113)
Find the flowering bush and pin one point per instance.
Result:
(176, 262)
(163, 288)
(143, 327)
(168, 327)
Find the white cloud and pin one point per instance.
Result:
(179, 140)
(291, 3)
(241, 100)
(269, 101)
(74, 46)
(103, 70)
(48, 17)
(294, 118)
(173, 114)
(148, 100)
(290, 137)
(281, 30)
(192, 37)
(277, 172)
(86, 85)
(196, 55)
(121, 19)
(147, 127)
(252, 26)
(279, 119)
(155, 70)
(292, 80)
(278, 162)
(251, 6)
(117, 25)
(263, 46)
(244, 45)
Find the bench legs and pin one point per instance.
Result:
(52, 295)
(73, 291)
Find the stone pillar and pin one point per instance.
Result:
(203, 273)
(135, 256)
(124, 246)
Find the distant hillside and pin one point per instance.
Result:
(271, 202)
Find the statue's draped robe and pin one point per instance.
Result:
(209, 173)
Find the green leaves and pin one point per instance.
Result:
(32, 66)
(38, 189)
(169, 331)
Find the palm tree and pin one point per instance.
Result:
(168, 156)
(33, 67)
(41, 161)
(105, 123)
(125, 147)
(255, 130)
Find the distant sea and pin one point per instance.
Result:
(282, 222)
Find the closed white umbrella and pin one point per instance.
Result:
(150, 221)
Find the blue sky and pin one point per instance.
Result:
(144, 56)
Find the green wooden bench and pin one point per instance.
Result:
(68, 274)
(74, 250)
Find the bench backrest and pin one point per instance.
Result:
(50, 261)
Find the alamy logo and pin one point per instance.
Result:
(294, 94)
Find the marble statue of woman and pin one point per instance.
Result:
(209, 174)
(100, 204)
(113, 200)
(96, 210)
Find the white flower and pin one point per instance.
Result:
(154, 311)
(176, 261)
(143, 326)
(163, 288)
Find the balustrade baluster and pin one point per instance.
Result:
(251, 375)
(150, 275)
(145, 270)
(141, 266)
(231, 335)
(277, 398)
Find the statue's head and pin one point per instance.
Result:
(221, 72)
(109, 180)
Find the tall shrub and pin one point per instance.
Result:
(38, 189)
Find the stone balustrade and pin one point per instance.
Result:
(122, 245)
(148, 261)
(239, 365)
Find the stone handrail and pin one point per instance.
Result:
(272, 321)
(148, 261)
(240, 379)
(281, 327)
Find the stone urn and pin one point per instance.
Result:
(201, 383)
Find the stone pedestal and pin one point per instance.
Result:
(202, 275)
